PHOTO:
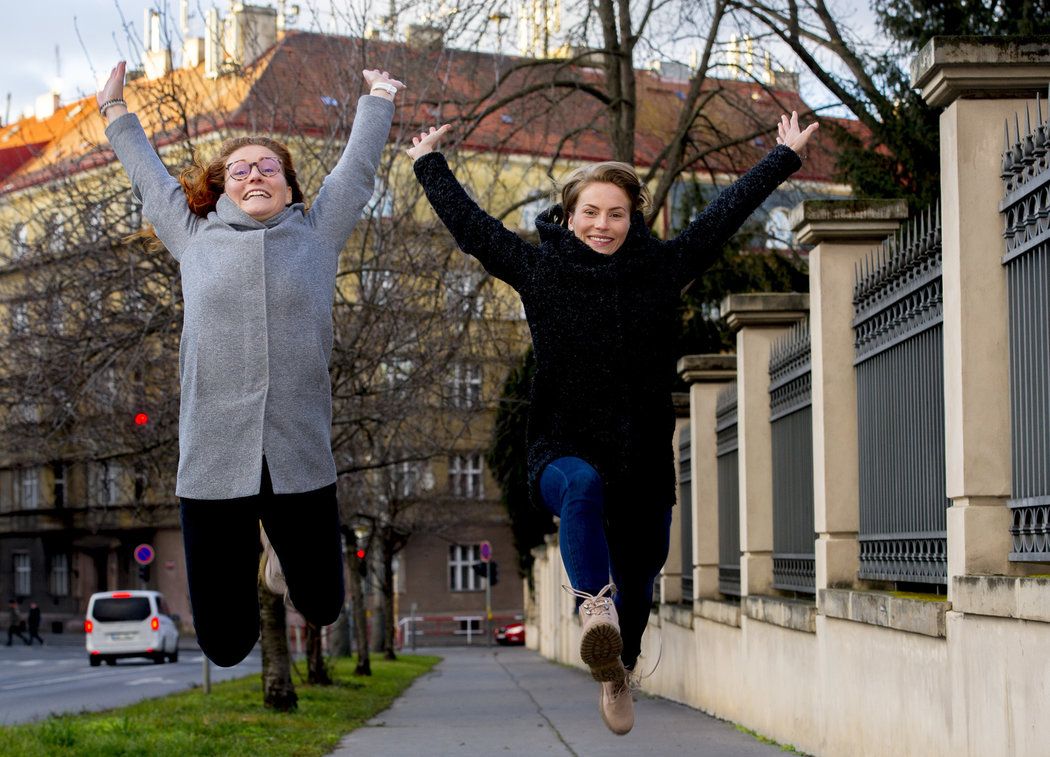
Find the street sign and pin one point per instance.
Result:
(486, 551)
(144, 554)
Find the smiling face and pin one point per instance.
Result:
(602, 217)
(259, 196)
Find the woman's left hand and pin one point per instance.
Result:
(374, 76)
(791, 135)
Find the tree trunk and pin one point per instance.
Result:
(357, 602)
(278, 689)
(387, 584)
(317, 669)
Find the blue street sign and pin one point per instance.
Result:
(144, 554)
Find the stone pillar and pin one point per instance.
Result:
(842, 232)
(758, 320)
(673, 570)
(707, 375)
(980, 84)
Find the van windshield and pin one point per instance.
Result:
(115, 610)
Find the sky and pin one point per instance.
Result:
(91, 35)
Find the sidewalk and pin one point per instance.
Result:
(512, 701)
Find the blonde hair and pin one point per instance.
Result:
(612, 172)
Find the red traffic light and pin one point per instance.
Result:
(141, 419)
(360, 554)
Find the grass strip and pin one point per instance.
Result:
(230, 721)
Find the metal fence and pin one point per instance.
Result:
(685, 510)
(900, 406)
(791, 418)
(1026, 207)
(728, 493)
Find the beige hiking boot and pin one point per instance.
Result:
(600, 642)
(617, 705)
(272, 574)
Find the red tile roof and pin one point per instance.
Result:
(308, 84)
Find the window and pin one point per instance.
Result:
(23, 574)
(381, 205)
(59, 491)
(465, 386)
(530, 211)
(104, 483)
(28, 488)
(132, 213)
(396, 374)
(464, 476)
(19, 240)
(20, 318)
(778, 230)
(377, 286)
(58, 581)
(462, 295)
(55, 233)
(461, 576)
(406, 478)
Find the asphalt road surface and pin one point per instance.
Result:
(39, 681)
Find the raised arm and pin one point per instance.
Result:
(163, 201)
(700, 244)
(351, 184)
(502, 252)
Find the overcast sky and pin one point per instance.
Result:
(91, 35)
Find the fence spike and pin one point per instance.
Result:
(1038, 110)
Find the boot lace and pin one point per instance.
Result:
(595, 604)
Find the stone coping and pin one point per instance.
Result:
(707, 368)
(815, 221)
(679, 615)
(764, 309)
(948, 68)
(796, 614)
(886, 610)
(718, 611)
(1021, 597)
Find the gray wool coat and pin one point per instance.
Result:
(257, 324)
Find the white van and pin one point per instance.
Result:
(130, 624)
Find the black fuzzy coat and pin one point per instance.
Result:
(603, 326)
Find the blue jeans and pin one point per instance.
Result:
(594, 546)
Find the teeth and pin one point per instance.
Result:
(255, 194)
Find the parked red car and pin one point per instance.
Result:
(514, 633)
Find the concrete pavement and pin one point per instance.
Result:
(512, 701)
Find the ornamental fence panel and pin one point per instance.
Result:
(685, 510)
(1026, 210)
(728, 493)
(898, 359)
(791, 419)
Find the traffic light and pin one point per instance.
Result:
(144, 574)
(362, 563)
(141, 419)
(493, 573)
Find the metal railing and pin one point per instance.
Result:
(791, 419)
(900, 406)
(685, 510)
(1026, 207)
(728, 493)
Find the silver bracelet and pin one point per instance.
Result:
(115, 101)
(390, 88)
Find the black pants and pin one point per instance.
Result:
(16, 630)
(221, 539)
(34, 633)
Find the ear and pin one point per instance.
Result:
(568, 221)
(288, 196)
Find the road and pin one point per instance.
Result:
(39, 681)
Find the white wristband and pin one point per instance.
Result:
(385, 87)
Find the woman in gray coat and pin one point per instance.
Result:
(258, 276)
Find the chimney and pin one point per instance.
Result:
(424, 35)
(250, 30)
(213, 57)
(157, 58)
(46, 105)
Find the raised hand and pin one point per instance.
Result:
(113, 89)
(379, 83)
(427, 141)
(791, 135)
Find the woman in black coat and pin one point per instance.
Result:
(601, 296)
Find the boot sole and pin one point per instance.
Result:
(600, 650)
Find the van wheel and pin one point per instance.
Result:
(110, 661)
(94, 660)
(158, 658)
(174, 656)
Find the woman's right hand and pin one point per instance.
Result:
(113, 89)
(427, 141)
